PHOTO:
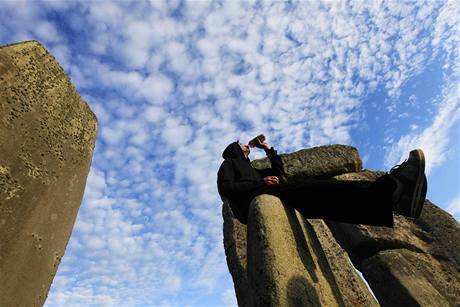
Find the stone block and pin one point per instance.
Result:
(47, 136)
(322, 161)
(351, 286)
(288, 265)
(319, 161)
(235, 234)
(432, 240)
(404, 278)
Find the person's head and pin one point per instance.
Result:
(245, 149)
(236, 150)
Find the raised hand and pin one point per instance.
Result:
(265, 145)
(269, 180)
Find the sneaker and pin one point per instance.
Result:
(412, 185)
(418, 209)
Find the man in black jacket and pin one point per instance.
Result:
(403, 189)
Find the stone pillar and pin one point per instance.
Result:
(304, 239)
(47, 137)
(235, 245)
(288, 261)
(416, 263)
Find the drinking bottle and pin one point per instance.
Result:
(257, 141)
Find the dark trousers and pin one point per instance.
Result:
(357, 202)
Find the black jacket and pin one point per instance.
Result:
(237, 180)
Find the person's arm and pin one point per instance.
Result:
(227, 185)
(277, 167)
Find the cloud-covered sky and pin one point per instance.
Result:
(173, 82)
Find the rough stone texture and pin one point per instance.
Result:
(428, 247)
(413, 264)
(404, 278)
(235, 252)
(351, 286)
(47, 136)
(317, 161)
(286, 264)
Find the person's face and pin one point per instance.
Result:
(245, 149)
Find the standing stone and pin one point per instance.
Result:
(416, 263)
(47, 136)
(399, 278)
(235, 252)
(351, 286)
(286, 265)
(318, 161)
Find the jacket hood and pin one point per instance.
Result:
(233, 151)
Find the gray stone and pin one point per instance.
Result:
(317, 161)
(235, 234)
(432, 240)
(286, 265)
(353, 290)
(296, 262)
(404, 278)
(47, 136)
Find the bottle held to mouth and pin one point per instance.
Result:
(257, 141)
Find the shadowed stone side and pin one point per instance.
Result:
(400, 278)
(350, 285)
(286, 265)
(47, 136)
(413, 264)
(316, 161)
(428, 247)
(235, 252)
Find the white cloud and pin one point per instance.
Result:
(175, 133)
(172, 83)
(46, 31)
(172, 284)
(95, 243)
(434, 139)
(95, 185)
(156, 88)
(63, 56)
(112, 135)
(229, 298)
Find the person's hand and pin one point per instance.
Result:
(265, 145)
(269, 180)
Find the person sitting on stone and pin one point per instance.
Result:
(402, 189)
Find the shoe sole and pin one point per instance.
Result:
(416, 202)
(419, 208)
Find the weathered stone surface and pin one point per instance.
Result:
(433, 238)
(235, 234)
(404, 278)
(286, 265)
(295, 262)
(47, 136)
(350, 285)
(325, 160)
(317, 161)
(413, 264)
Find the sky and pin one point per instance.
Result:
(173, 82)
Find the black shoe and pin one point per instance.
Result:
(412, 185)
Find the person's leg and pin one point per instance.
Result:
(403, 190)
(411, 184)
(358, 202)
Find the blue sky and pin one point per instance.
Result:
(172, 83)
